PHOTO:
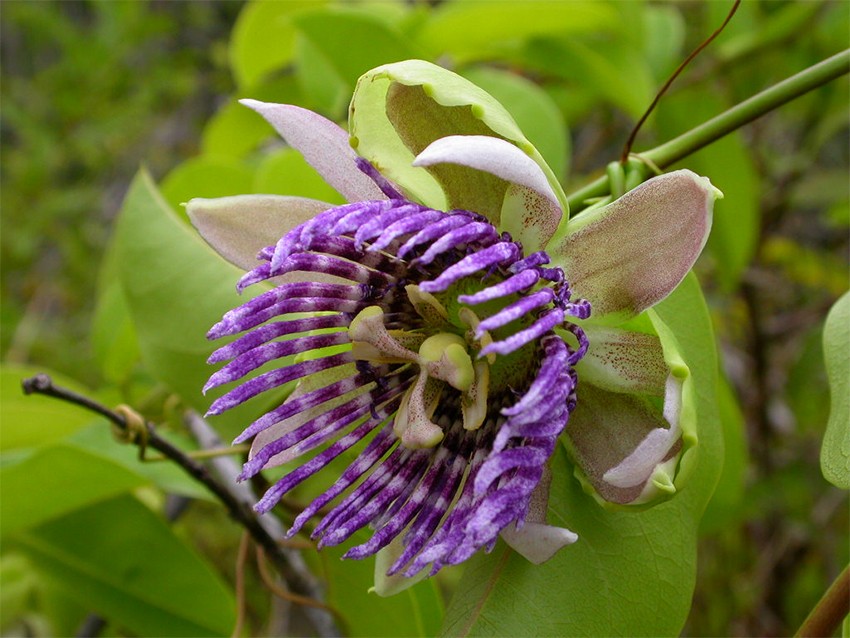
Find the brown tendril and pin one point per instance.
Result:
(627, 149)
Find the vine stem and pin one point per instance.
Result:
(299, 580)
(826, 616)
(732, 119)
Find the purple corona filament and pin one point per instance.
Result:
(446, 498)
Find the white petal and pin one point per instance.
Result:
(538, 542)
(530, 211)
(239, 227)
(323, 144)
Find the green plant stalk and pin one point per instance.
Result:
(732, 119)
(830, 610)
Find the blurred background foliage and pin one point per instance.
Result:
(91, 90)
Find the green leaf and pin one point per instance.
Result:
(56, 480)
(98, 440)
(534, 111)
(176, 288)
(235, 130)
(724, 508)
(206, 176)
(775, 28)
(665, 35)
(417, 611)
(35, 420)
(631, 572)
(611, 68)
(114, 341)
(123, 562)
(352, 41)
(17, 586)
(476, 30)
(835, 453)
(113, 336)
(324, 89)
(263, 38)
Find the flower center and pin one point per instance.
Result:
(443, 359)
(464, 270)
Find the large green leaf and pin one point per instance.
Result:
(352, 41)
(725, 505)
(476, 30)
(286, 172)
(206, 176)
(123, 562)
(609, 67)
(35, 420)
(631, 573)
(263, 38)
(417, 611)
(176, 288)
(56, 480)
(17, 586)
(835, 453)
(113, 335)
(97, 440)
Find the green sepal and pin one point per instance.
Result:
(398, 109)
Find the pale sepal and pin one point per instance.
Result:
(629, 255)
(238, 227)
(536, 541)
(324, 144)
(627, 450)
(621, 360)
(638, 467)
(605, 428)
(529, 211)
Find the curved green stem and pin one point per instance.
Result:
(830, 610)
(728, 121)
